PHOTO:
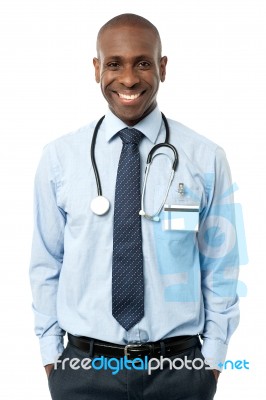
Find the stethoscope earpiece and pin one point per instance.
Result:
(154, 218)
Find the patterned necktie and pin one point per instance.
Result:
(127, 273)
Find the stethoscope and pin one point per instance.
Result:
(100, 204)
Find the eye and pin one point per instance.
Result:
(113, 65)
(144, 65)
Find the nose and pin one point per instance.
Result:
(129, 77)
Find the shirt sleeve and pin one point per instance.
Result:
(47, 257)
(219, 263)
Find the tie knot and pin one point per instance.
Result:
(130, 136)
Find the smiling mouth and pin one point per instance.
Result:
(128, 96)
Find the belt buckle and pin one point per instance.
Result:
(136, 349)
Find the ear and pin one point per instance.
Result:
(96, 64)
(163, 63)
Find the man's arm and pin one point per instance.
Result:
(219, 264)
(48, 369)
(47, 257)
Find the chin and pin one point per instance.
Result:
(134, 115)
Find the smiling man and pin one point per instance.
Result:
(135, 278)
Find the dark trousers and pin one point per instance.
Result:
(179, 383)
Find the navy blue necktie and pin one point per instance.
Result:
(127, 272)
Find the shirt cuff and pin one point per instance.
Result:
(51, 347)
(214, 352)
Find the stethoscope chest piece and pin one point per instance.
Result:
(100, 205)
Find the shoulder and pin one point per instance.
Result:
(188, 136)
(72, 143)
(74, 137)
(195, 146)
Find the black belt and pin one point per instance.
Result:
(168, 347)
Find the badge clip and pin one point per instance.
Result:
(181, 189)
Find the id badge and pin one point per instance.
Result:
(181, 217)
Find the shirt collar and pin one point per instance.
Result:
(149, 126)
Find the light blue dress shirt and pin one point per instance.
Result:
(190, 277)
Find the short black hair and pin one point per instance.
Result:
(130, 20)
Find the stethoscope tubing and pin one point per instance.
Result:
(95, 205)
(93, 162)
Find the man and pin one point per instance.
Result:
(123, 283)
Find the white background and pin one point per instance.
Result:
(215, 84)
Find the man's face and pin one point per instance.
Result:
(129, 69)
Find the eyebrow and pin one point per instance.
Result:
(121, 58)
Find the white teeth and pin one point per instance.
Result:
(128, 97)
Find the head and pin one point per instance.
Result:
(129, 66)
